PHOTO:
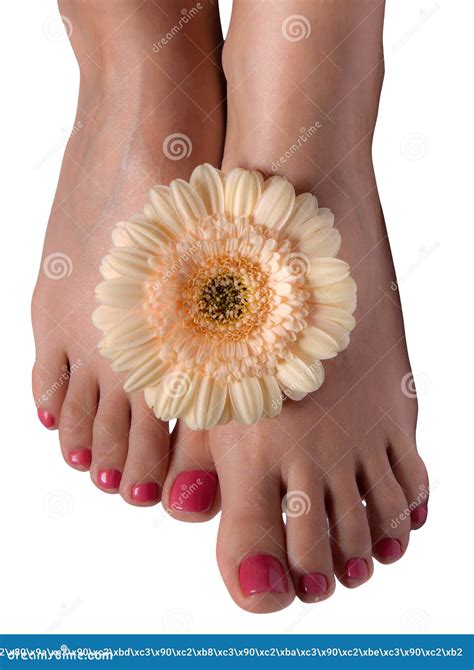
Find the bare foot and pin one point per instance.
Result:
(344, 459)
(149, 109)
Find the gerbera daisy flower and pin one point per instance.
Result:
(224, 297)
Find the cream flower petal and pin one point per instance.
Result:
(120, 292)
(242, 191)
(224, 295)
(247, 400)
(130, 262)
(209, 403)
(314, 344)
(296, 376)
(272, 396)
(162, 211)
(325, 271)
(209, 184)
(326, 242)
(276, 203)
(187, 202)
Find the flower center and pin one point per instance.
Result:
(224, 298)
(227, 296)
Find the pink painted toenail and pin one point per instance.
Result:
(193, 491)
(356, 568)
(80, 458)
(146, 492)
(388, 548)
(109, 479)
(46, 418)
(262, 573)
(313, 584)
(418, 516)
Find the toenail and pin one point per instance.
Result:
(356, 568)
(313, 584)
(46, 418)
(418, 515)
(109, 479)
(387, 547)
(146, 492)
(80, 458)
(262, 573)
(193, 491)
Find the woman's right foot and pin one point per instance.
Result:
(147, 113)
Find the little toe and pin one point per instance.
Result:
(50, 379)
(350, 535)
(110, 443)
(386, 502)
(410, 472)
(147, 457)
(77, 420)
(191, 488)
(307, 537)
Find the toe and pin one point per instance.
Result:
(386, 502)
(411, 474)
(77, 419)
(50, 380)
(251, 549)
(110, 443)
(191, 486)
(307, 536)
(147, 458)
(350, 535)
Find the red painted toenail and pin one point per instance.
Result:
(387, 547)
(46, 418)
(80, 458)
(109, 479)
(193, 491)
(313, 584)
(356, 568)
(262, 573)
(146, 492)
(418, 516)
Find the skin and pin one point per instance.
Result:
(351, 441)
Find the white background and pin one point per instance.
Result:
(75, 560)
